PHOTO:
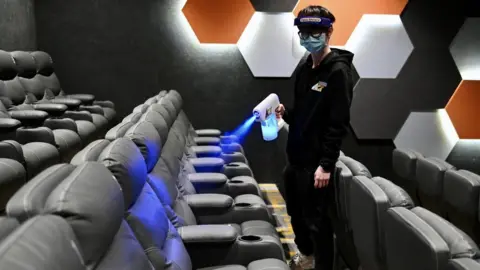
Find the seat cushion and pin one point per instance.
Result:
(256, 227)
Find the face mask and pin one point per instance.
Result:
(313, 44)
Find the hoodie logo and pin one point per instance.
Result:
(319, 86)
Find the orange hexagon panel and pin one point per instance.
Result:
(464, 110)
(349, 12)
(218, 21)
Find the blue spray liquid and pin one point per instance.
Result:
(270, 128)
(242, 131)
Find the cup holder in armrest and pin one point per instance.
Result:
(243, 204)
(235, 181)
(232, 165)
(250, 238)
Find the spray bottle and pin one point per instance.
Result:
(264, 113)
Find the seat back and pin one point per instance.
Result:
(13, 176)
(357, 168)
(118, 131)
(413, 244)
(461, 191)
(12, 93)
(404, 162)
(429, 175)
(46, 72)
(27, 74)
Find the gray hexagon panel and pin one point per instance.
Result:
(274, 5)
(430, 133)
(465, 49)
(381, 46)
(270, 45)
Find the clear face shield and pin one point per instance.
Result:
(305, 28)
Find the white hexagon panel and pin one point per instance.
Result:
(381, 46)
(270, 45)
(430, 133)
(465, 49)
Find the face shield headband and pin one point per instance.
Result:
(313, 21)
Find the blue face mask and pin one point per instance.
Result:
(313, 44)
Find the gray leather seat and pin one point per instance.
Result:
(429, 176)
(420, 239)
(461, 191)
(144, 239)
(13, 176)
(369, 201)
(39, 93)
(463, 264)
(46, 73)
(405, 167)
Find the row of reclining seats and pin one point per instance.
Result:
(388, 231)
(117, 205)
(441, 188)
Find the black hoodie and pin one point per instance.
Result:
(320, 116)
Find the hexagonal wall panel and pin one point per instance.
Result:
(465, 49)
(274, 5)
(430, 133)
(381, 46)
(464, 110)
(218, 21)
(270, 45)
(349, 12)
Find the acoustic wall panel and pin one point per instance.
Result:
(465, 155)
(270, 45)
(430, 133)
(349, 12)
(274, 5)
(381, 46)
(464, 110)
(218, 21)
(465, 49)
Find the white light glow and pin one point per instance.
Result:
(465, 49)
(381, 46)
(269, 45)
(430, 133)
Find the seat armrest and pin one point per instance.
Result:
(236, 169)
(9, 124)
(86, 99)
(92, 109)
(72, 104)
(229, 139)
(206, 151)
(208, 234)
(231, 147)
(29, 117)
(207, 182)
(207, 164)
(207, 141)
(208, 132)
(81, 115)
(104, 103)
(209, 204)
(52, 109)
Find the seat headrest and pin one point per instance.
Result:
(43, 242)
(430, 173)
(91, 152)
(164, 113)
(147, 139)
(461, 190)
(162, 93)
(459, 243)
(151, 101)
(44, 63)
(13, 176)
(91, 200)
(126, 163)
(12, 150)
(404, 162)
(24, 64)
(31, 198)
(141, 108)
(357, 168)
(133, 117)
(175, 99)
(167, 103)
(8, 70)
(158, 122)
(118, 131)
(396, 195)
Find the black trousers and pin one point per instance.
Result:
(308, 208)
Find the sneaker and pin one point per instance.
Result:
(302, 262)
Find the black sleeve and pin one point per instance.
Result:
(340, 92)
(289, 110)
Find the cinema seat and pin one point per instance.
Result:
(463, 264)
(46, 74)
(418, 239)
(405, 166)
(370, 199)
(12, 177)
(461, 191)
(429, 176)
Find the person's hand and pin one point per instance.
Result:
(321, 178)
(280, 111)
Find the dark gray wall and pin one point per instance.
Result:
(17, 25)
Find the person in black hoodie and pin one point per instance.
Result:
(318, 122)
